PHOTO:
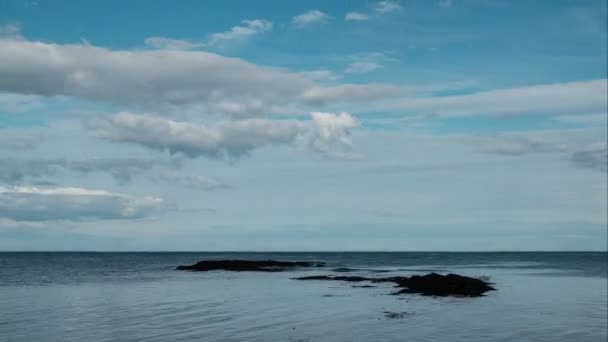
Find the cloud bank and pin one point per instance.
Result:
(168, 81)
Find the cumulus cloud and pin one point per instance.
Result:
(326, 133)
(356, 16)
(385, 7)
(169, 81)
(594, 156)
(310, 17)
(73, 204)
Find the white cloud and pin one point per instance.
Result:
(167, 81)
(558, 98)
(73, 204)
(356, 16)
(385, 7)
(310, 17)
(247, 29)
(326, 133)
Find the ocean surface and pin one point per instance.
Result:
(140, 297)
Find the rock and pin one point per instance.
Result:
(398, 315)
(434, 284)
(344, 278)
(247, 265)
(346, 269)
(431, 284)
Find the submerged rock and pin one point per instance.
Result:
(346, 269)
(343, 278)
(247, 265)
(398, 315)
(431, 284)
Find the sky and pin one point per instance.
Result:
(443, 125)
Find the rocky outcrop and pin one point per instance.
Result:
(431, 284)
(247, 265)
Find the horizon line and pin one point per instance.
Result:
(283, 251)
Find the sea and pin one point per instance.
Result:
(87, 296)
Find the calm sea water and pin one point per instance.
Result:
(139, 297)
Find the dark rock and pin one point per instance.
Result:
(248, 265)
(431, 284)
(398, 315)
(344, 278)
(346, 269)
(434, 284)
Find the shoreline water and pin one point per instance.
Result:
(140, 297)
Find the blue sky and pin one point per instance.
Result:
(389, 125)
